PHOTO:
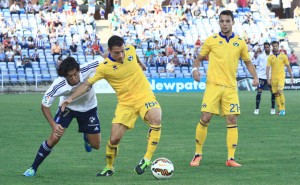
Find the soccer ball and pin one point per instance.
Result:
(162, 168)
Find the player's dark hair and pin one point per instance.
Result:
(68, 64)
(266, 43)
(115, 41)
(227, 12)
(275, 42)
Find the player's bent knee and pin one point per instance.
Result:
(95, 146)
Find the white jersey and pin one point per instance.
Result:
(261, 65)
(61, 88)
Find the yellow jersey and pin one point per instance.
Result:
(127, 78)
(224, 55)
(277, 64)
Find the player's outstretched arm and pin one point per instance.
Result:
(83, 88)
(196, 64)
(47, 113)
(252, 71)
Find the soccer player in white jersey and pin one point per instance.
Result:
(261, 66)
(83, 108)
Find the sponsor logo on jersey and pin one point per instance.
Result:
(220, 43)
(236, 44)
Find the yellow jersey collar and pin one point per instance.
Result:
(224, 36)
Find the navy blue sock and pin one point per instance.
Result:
(258, 97)
(273, 101)
(42, 153)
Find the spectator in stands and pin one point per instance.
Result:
(35, 56)
(137, 42)
(29, 8)
(269, 4)
(4, 4)
(73, 49)
(23, 43)
(179, 47)
(18, 63)
(90, 20)
(174, 3)
(293, 59)
(169, 49)
(185, 61)
(6, 43)
(115, 22)
(91, 6)
(26, 63)
(96, 49)
(242, 3)
(9, 55)
(156, 50)
(286, 5)
(17, 49)
(88, 50)
(60, 31)
(198, 43)
(30, 42)
(55, 49)
(162, 42)
(151, 61)
(161, 59)
(39, 42)
(36, 8)
(2, 54)
(148, 53)
(190, 58)
(282, 50)
(170, 67)
(254, 7)
(14, 8)
(297, 12)
(176, 60)
(52, 37)
(73, 5)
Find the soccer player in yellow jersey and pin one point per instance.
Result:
(122, 70)
(276, 62)
(224, 50)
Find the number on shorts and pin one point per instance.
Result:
(234, 107)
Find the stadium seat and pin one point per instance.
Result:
(154, 75)
(171, 75)
(162, 75)
(179, 75)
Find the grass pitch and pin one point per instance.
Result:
(268, 145)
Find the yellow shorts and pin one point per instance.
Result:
(277, 85)
(127, 115)
(220, 100)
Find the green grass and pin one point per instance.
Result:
(268, 145)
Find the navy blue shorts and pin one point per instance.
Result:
(263, 83)
(88, 122)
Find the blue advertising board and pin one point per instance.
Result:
(177, 85)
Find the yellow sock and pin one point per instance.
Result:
(232, 139)
(153, 140)
(278, 102)
(201, 132)
(111, 153)
(282, 101)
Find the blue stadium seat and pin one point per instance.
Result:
(171, 75)
(179, 75)
(162, 75)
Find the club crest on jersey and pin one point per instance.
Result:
(115, 67)
(130, 58)
(215, 36)
(92, 119)
(236, 44)
(204, 105)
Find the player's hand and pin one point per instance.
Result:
(196, 75)
(58, 131)
(65, 104)
(269, 82)
(292, 80)
(255, 82)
